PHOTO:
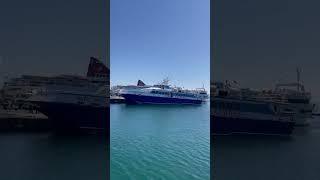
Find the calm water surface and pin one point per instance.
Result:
(160, 142)
(266, 158)
(45, 156)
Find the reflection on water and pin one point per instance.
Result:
(268, 157)
(47, 156)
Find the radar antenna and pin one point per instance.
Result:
(165, 81)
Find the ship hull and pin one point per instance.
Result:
(303, 114)
(143, 99)
(117, 100)
(224, 125)
(72, 117)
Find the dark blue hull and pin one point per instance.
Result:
(142, 99)
(73, 117)
(117, 101)
(222, 125)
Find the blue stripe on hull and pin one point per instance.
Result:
(140, 99)
(222, 125)
(72, 116)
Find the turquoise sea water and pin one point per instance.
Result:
(39, 156)
(159, 142)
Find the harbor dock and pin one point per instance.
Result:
(117, 100)
(12, 120)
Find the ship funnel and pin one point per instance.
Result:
(140, 83)
(97, 69)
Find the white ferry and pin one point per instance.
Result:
(233, 112)
(163, 93)
(70, 102)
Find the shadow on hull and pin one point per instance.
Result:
(76, 119)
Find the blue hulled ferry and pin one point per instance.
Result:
(163, 93)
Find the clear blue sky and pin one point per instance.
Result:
(154, 39)
(51, 37)
(260, 43)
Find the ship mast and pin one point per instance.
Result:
(298, 78)
(165, 81)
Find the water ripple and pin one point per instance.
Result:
(160, 142)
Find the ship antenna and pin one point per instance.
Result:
(165, 81)
(298, 78)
